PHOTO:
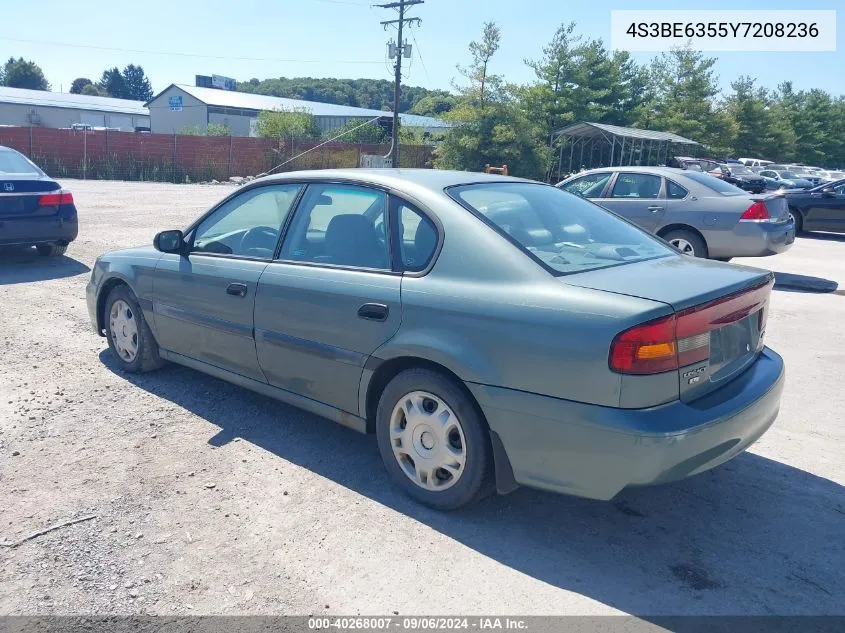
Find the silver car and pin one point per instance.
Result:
(697, 213)
(489, 331)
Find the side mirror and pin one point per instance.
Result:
(169, 242)
(829, 192)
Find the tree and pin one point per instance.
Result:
(113, 84)
(354, 132)
(137, 85)
(217, 129)
(78, 84)
(92, 90)
(286, 125)
(434, 105)
(21, 73)
(482, 85)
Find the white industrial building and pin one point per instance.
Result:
(63, 110)
(179, 107)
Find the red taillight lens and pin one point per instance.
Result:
(757, 212)
(55, 199)
(684, 338)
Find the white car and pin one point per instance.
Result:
(754, 162)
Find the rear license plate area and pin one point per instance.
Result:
(12, 206)
(732, 345)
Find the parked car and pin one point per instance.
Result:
(754, 162)
(34, 209)
(483, 327)
(741, 176)
(808, 174)
(787, 178)
(695, 212)
(819, 209)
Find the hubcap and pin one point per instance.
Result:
(124, 330)
(427, 440)
(682, 245)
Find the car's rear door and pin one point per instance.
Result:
(638, 197)
(203, 301)
(332, 297)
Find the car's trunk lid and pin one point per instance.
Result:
(727, 303)
(20, 197)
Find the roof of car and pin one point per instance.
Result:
(637, 168)
(434, 179)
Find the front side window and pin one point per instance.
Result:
(247, 225)
(589, 186)
(636, 186)
(564, 232)
(342, 225)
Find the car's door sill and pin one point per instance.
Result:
(318, 408)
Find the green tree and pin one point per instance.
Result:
(287, 125)
(113, 84)
(137, 85)
(93, 90)
(21, 73)
(354, 132)
(217, 129)
(78, 84)
(434, 105)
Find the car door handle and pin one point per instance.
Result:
(373, 311)
(654, 209)
(237, 290)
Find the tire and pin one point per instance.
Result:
(688, 242)
(723, 259)
(51, 250)
(127, 327)
(798, 220)
(454, 428)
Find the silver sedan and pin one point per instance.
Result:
(697, 213)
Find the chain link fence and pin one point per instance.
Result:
(111, 155)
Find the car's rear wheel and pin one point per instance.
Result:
(432, 440)
(51, 250)
(687, 242)
(797, 220)
(128, 334)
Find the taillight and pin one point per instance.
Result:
(683, 338)
(757, 212)
(55, 199)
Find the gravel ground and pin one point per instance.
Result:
(213, 500)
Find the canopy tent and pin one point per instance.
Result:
(588, 145)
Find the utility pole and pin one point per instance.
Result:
(399, 51)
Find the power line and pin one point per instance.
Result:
(419, 52)
(195, 55)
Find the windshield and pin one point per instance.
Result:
(787, 174)
(740, 169)
(564, 232)
(13, 163)
(716, 184)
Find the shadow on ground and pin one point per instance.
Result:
(24, 265)
(791, 282)
(827, 237)
(754, 536)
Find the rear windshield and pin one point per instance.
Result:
(740, 169)
(562, 231)
(13, 163)
(716, 184)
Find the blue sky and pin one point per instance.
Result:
(343, 38)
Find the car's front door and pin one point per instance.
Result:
(637, 197)
(332, 297)
(826, 212)
(203, 300)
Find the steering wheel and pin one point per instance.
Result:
(259, 237)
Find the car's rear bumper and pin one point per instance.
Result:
(38, 230)
(595, 452)
(752, 239)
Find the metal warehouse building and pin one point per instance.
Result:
(179, 107)
(61, 110)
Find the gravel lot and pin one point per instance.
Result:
(212, 500)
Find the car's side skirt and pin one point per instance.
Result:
(318, 408)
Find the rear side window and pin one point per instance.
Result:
(11, 162)
(589, 186)
(636, 186)
(716, 184)
(417, 238)
(674, 191)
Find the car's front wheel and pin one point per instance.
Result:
(128, 334)
(432, 440)
(687, 242)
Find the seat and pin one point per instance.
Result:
(351, 240)
(425, 241)
(649, 188)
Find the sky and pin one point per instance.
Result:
(174, 41)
